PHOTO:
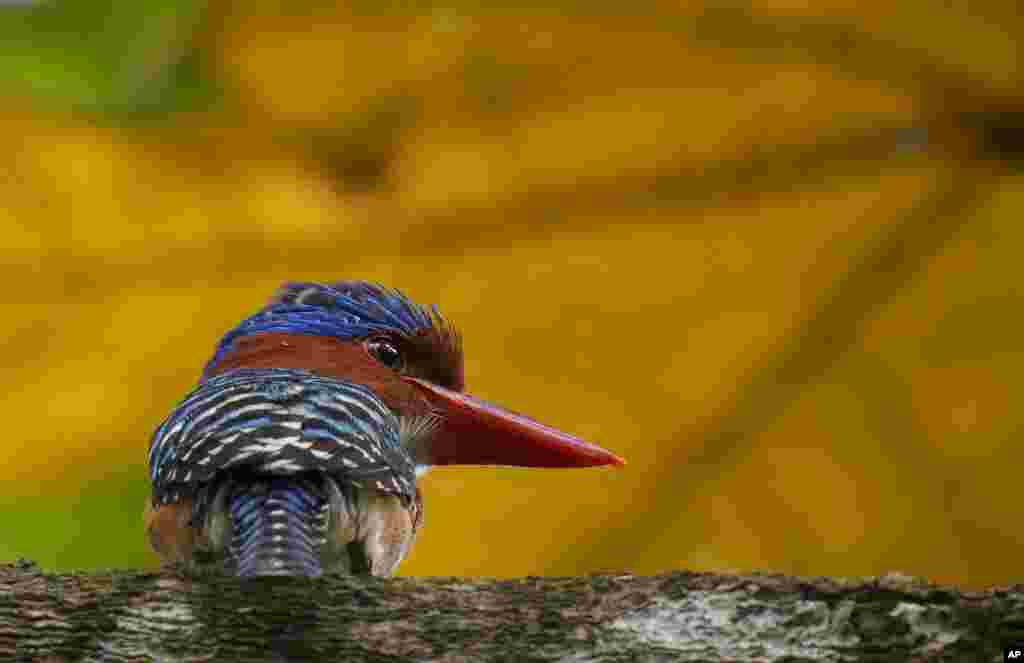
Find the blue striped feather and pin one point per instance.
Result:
(344, 310)
(278, 527)
(279, 422)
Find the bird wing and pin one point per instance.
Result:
(279, 422)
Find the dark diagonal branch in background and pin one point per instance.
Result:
(764, 169)
(978, 132)
(883, 271)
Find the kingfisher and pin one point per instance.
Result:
(298, 451)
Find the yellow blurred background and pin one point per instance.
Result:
(768, 253)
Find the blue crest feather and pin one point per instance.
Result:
(344, 310)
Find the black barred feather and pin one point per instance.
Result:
(281, 422)
(278, 527)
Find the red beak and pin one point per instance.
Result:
(474, 432)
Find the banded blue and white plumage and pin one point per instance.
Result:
(279, 466)
(298, 452)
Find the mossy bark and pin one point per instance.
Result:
(139, 616)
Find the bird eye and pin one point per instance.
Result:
(386, 353)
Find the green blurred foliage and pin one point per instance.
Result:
(108, 56)
(757, 250)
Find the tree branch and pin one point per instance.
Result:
(682, 616)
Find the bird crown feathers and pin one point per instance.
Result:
(348, 310)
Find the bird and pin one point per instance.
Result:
(297, 453)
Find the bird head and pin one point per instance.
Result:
(411, 358)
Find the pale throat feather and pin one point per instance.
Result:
(415, 434)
